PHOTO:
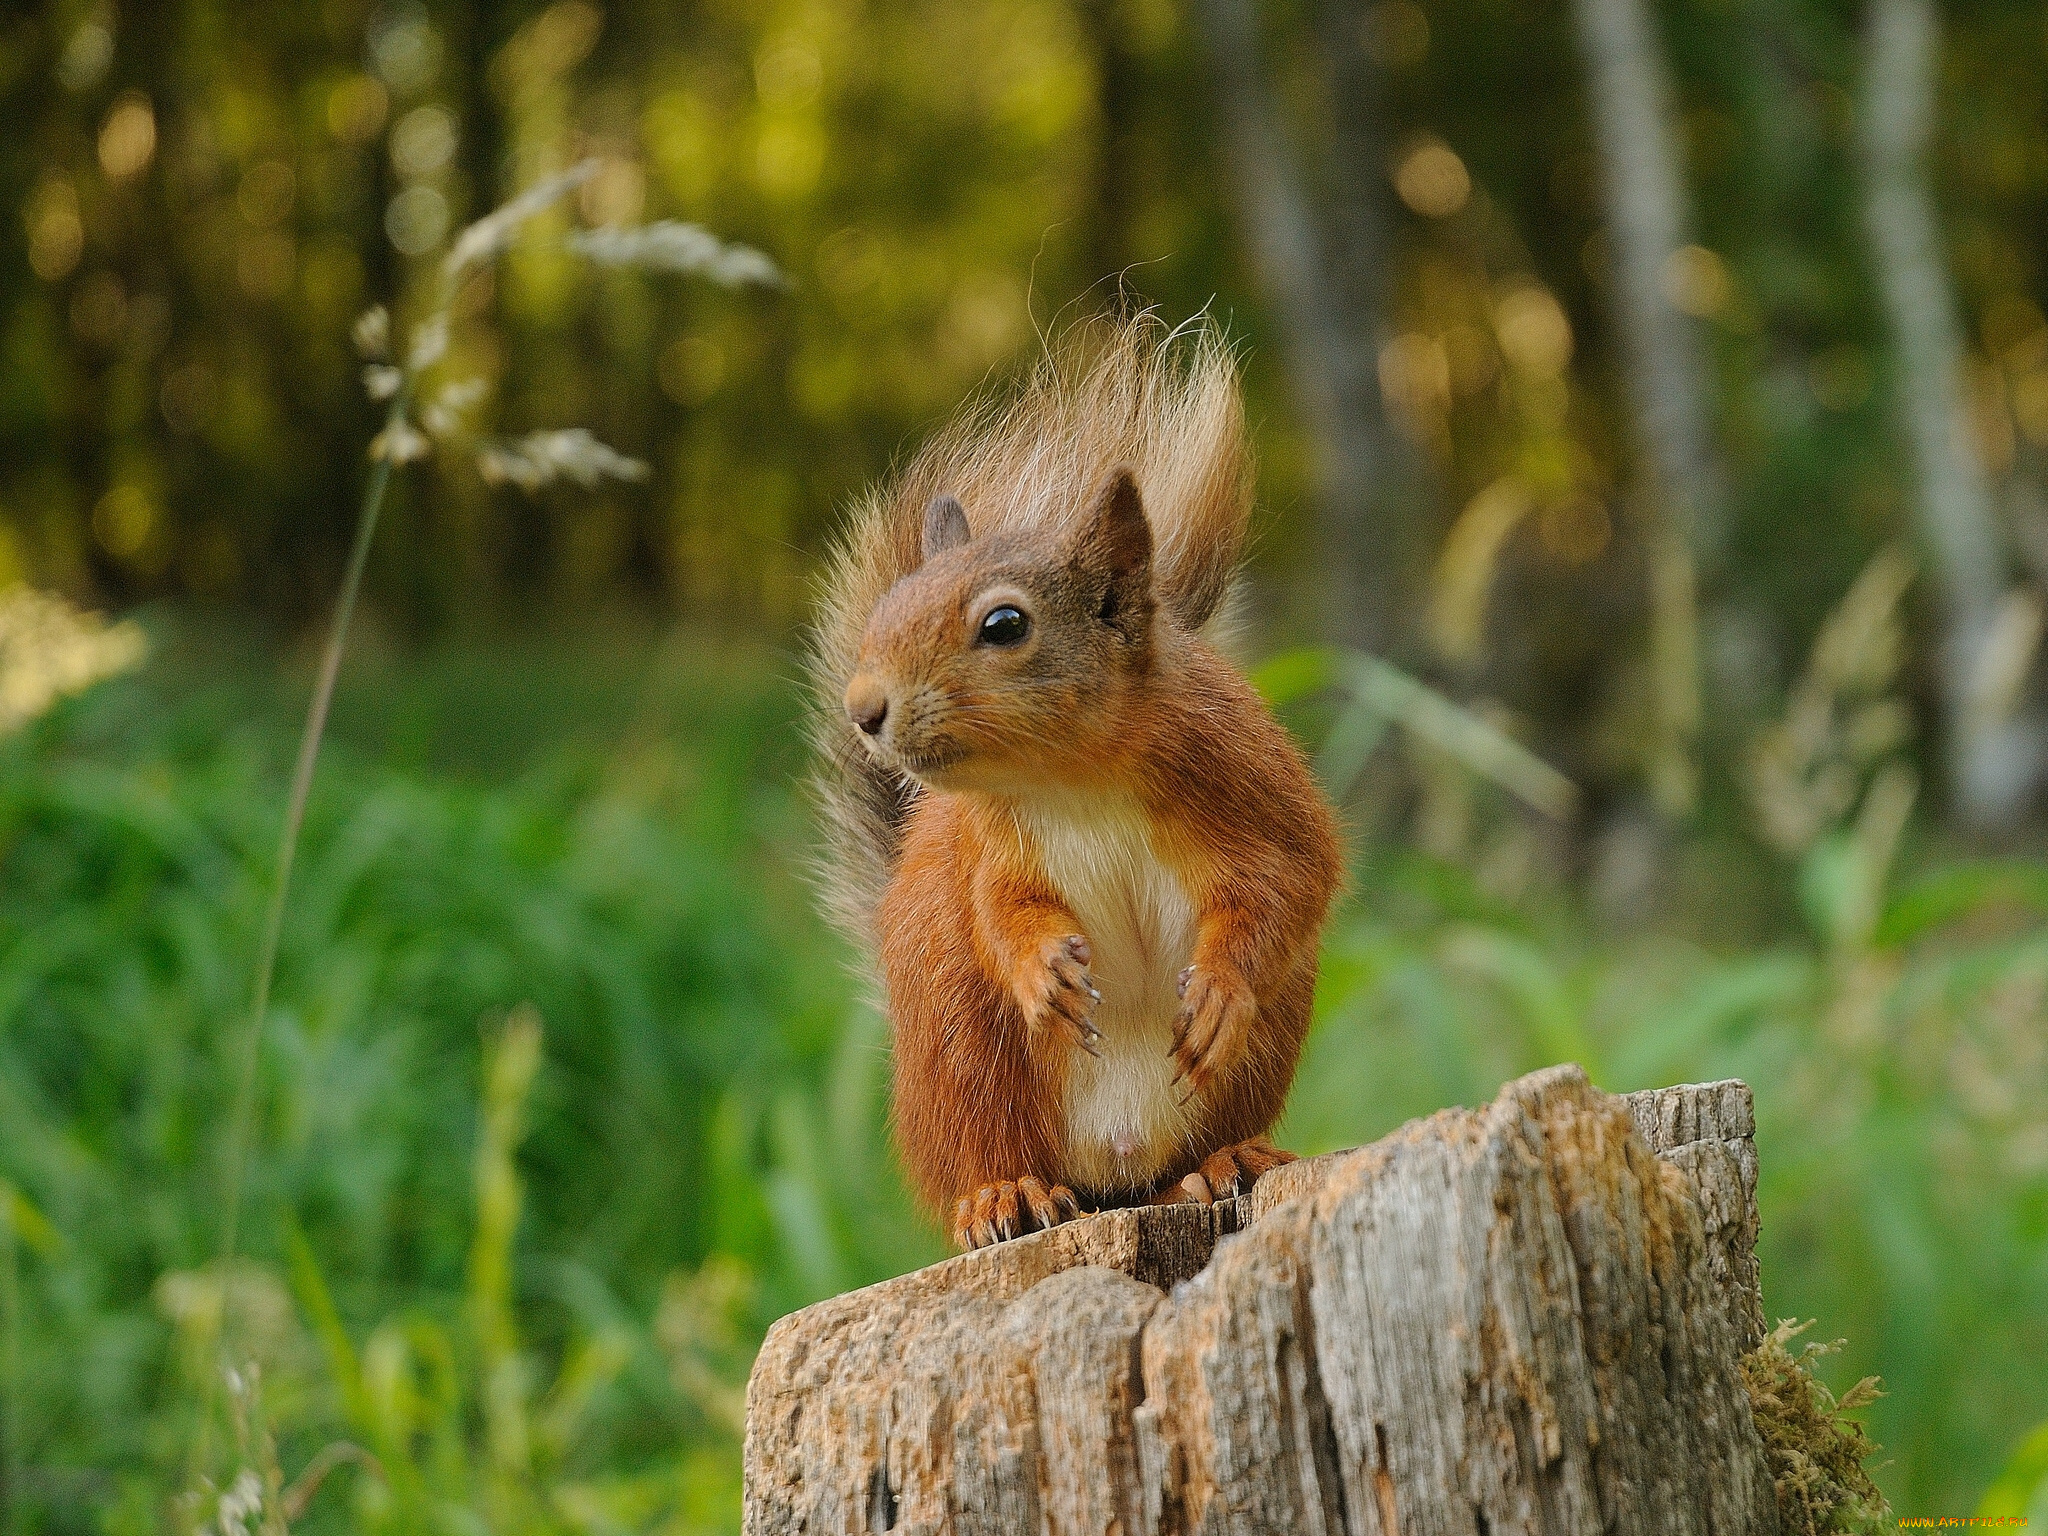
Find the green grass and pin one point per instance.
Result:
(566, 1094)
(700, 1078)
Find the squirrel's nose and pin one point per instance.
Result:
(867, 705)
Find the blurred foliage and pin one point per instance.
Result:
(699, 1146)
(48, 650)
(701, 1099)
(207, 199)
(1898, 1055)
(2022, 1488)
(565, 1094)
(210, 198)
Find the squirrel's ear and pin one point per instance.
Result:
(945, 525)
(1117, 539)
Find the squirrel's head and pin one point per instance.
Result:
(999, 660)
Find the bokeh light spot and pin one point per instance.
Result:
(1396, 34)
(1415, 375)
(356, 109)
(616, 195)
(416, 220)
(789, 158)
(1534, 334)
(1696, 281)
(788, 75)
(405, 49)
(56, 233)
(122, 521)
(87, 53)
(423, 142)
(128, 137)
(1433, 180)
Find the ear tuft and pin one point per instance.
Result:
(1117, 539)
(945, 525)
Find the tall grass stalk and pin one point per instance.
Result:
(532, 462)
(239, 1127)
(396, 444)
(10, 1366)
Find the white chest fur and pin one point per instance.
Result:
(1123, 1117)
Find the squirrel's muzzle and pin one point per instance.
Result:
(867, 704)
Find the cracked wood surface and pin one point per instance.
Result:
(1525, 1318)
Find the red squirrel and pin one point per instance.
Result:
(1092, 865)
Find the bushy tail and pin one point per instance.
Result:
(1117, 392)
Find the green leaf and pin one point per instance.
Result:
(1296, 674)
(317, 1302)
(1552, 1018)
(1675, 1041)
(1357, 733)
(1380, 695)
(30, 1225)
(2023, 1485)
(1959, 891)
(1454, 730)
(1829, 882)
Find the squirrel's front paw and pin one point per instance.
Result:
(1011, 1208)
(1055, 989)
(1215, 1020)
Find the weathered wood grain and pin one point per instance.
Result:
(1525, 1318)
(1708, 1132)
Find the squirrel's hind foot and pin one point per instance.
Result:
(1010, 1208)
(1231, 1171)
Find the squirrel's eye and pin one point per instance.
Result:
(1004, 626)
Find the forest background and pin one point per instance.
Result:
(1652, 409)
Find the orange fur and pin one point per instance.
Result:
(1039, 834)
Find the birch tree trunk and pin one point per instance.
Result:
(1643, 190)
(1329, 325)
(1527, 1318)
(1993, 760)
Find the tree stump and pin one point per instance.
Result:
(1526, 1318)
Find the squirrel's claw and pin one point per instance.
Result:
(1047, 1207)
(1011, 1208)
(1234, 1170)
(1224, 1173)
(1059, 989)
(1214, 1023)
